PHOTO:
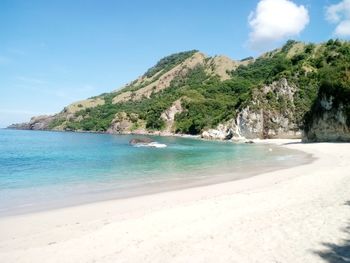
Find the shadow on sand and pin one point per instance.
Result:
(337, 253)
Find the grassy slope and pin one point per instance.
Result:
(208, 100)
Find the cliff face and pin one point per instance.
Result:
(329, 117)
(169, 116)
(261, 119)
(330, 122)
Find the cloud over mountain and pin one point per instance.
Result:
(340, 15)
(275, 20)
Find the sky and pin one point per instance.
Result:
(53, 53)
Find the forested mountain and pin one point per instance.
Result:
(299, 87)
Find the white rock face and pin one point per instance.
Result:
(327, 103)
(282, 89)
(169, 115)
(250, 124)
(221, 133)
(258, 120)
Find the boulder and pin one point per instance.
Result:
(145, 140)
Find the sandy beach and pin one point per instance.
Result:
(299, 214)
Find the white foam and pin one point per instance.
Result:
(152, 144)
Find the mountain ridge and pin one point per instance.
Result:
(219, 98)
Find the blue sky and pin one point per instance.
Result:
(53, 53)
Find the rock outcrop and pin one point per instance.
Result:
(169, 116)
(41, 122)
(261, 119)
(19, 126)
(136, 141)
(329, 121)
(222, 132)
(124, 123)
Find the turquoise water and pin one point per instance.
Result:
(47, 169)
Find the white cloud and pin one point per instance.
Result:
(340, 15)
(275, 20)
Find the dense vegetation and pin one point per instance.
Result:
(334, 82)
(208, 101)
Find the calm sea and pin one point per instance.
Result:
(42, 170)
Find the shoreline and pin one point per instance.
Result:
(285, 215)
(162, 134)
(156, 133)
(212, 176)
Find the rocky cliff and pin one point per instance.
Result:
(331, 124)
(261, 119)
(329, 118)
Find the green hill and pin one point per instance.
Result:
(274, 96)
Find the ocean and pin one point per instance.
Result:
(42, 170)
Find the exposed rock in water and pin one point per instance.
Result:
(145, 140)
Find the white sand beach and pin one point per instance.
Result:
(299, 214)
